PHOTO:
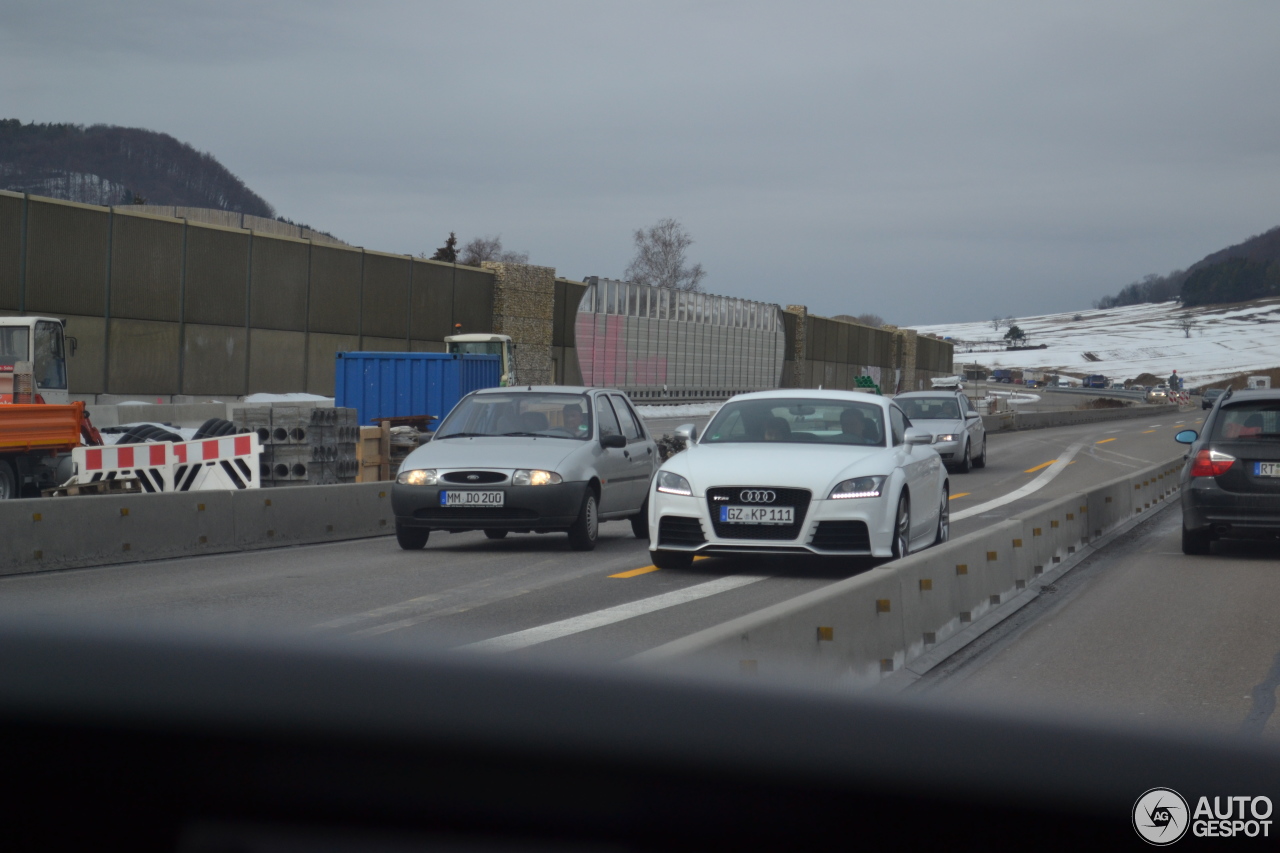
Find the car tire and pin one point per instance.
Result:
(495, 534)
(1197, 542)
(902, 527)
(671, 559)
(981, 461)
(8, 482)
(640, 521)
(586, 530)
(965, 462)
(411, 538)
(944, 519)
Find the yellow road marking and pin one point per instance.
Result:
(641, 571)
(1040, 466)
(644, 570)
(1145, 431)
(959, 495)
(1104, 441)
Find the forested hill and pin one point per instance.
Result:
(105, 164)
(1239, 273)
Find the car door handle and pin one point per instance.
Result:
(626, 453)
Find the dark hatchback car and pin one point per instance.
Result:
(1231, 480)
(1210, 397)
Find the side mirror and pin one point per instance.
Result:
(688, 432)
(972, 415)
(1187, 436)
(613, 441)
(916, 437)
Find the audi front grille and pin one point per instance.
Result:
(720, 496)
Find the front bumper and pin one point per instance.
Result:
(849, 527)
(949, 450)
(524, 507)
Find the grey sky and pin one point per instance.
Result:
(928, 162)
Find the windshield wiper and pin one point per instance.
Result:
(460, 435)
(534, 434)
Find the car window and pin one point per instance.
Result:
(797, 421)
(899, 424)
(608, 420)
(630, 427)
(968, 405)
(534, 413)
(1253, 419)
(50, 368)
(930, 408)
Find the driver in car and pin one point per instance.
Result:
(853, 425)
(575, 420)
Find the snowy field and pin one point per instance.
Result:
(1125, 342)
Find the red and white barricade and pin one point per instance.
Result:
(230, 462)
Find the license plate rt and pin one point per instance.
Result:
(1266, 469)
(757, 514)
(458, 498)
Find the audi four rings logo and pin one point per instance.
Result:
(758, 496)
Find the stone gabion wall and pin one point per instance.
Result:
(524, 308)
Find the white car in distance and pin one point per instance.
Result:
(798, 471)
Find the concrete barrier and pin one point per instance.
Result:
(890, 624)
(60, 533)
(1006, 421)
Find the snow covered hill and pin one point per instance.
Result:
(1122, 343)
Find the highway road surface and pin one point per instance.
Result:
(529, 594)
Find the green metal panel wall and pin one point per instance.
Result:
(321, 366)
(146, 268)
(216, 277)
(276, 361)
(385, 311)
(213, 359)
(87, 366)
(334, 305)
(143, 357)
(431, 303)
(66, 258)
(278, 299)
(473, 300)
(10, 251)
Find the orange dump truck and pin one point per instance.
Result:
(38, 426)
(36, 442)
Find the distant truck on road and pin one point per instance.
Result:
(1096, 380)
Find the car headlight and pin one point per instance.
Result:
(534, 477)
(858, 487)
(673, 484)
(418, 477)
(938, 439)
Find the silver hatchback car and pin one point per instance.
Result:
(535, 459)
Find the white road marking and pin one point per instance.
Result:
(610, 615)
(1046, 476)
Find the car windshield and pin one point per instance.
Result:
(1259, 419)
(929, 408)
(797, 421)
(533, 413)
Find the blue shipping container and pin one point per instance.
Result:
(397, 384)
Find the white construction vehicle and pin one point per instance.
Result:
(487, 344)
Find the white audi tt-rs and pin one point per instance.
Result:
(800, 472)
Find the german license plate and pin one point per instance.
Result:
(1266, 469)
(458, 498)
(757, 515)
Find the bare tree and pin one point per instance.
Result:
(481, 249)
(660, 258)
(1186, 323)
(997, 322)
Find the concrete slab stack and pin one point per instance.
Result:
(303, 445)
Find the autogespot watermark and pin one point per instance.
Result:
(1161, 816)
